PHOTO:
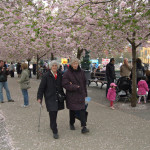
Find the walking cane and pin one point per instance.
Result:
(39, 117)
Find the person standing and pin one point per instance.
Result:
(125, 69)
(140, 71)
(74, 82)
(11, 69)
(142, 89)
(50, 85)
(110, 73)
(3, 82)
(111, 95)
(34, 69)
(25, 84)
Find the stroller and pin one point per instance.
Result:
(123, 91)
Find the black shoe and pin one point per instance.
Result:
(55, 135)
(2, 102)
(11, 100)
(84, 130)
(72, 127)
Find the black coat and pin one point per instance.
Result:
(47, 88)
(110, 72)
(75, 97)
(3, 74)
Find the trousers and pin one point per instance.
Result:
(53, 123)
(72, 114)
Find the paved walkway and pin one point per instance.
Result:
(118, 129)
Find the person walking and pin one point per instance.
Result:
(125, 69)
(19, 69)
(110, 73)
(50, 86)
(25, 84)
(74, 82)
(142, 89)
(3, 83)
(12, 69)
(111, 95)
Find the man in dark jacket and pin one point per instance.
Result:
(50, 85)
(3, 82)
(110, 73)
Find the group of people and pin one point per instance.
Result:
(24, 82)
(73, 80)
(143, 79)
(51, 86)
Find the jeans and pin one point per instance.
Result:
(25, 96)
(5, 85)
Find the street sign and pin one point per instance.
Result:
(105, 61)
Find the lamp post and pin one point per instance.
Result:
(148, 57)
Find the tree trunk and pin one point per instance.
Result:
(134, 80)
(79, 53)
(37, 66)
(52, 56)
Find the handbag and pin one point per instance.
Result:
(61, 96)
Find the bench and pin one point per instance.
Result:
(98, 77)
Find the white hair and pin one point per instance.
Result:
(74, 60)
(54, 62)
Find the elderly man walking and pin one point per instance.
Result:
(3, 82)
(125, 69)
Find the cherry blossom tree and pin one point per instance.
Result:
(113, 24)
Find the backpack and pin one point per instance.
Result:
(139, 73)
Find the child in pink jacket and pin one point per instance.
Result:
(142, 89)
(111, 95)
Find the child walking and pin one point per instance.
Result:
(142, 89)
(111, 95)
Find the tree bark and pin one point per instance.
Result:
(79, 53)
(134, 80)
(37, 66)
(52, 56)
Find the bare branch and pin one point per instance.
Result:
(129, 40)
(92, 3)
(144, 39)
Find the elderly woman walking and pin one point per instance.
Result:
(50, 86)
(74, 82)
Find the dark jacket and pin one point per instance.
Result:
(138, 66)
(3, 74)
(19, 68)
(110, 72)
(47, 88)
(75, 96)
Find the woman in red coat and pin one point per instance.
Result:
(74, 82)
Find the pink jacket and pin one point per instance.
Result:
(111, 95)
(142, 87)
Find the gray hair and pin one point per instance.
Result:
(74, 60)
(53, 62)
